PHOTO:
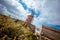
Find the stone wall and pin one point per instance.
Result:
(51, 33)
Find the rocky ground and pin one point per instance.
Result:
(45, 38)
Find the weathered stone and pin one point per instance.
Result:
(51, 33)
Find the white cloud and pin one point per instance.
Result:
(52, 8)
(35, 4)
(50, 13)
(49, 10)
(14, 9)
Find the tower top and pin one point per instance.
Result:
(29, 18)
(30, 15)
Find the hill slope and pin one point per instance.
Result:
(13, 29)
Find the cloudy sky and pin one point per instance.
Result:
(45, 12)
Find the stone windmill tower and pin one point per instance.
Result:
(28, 23)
